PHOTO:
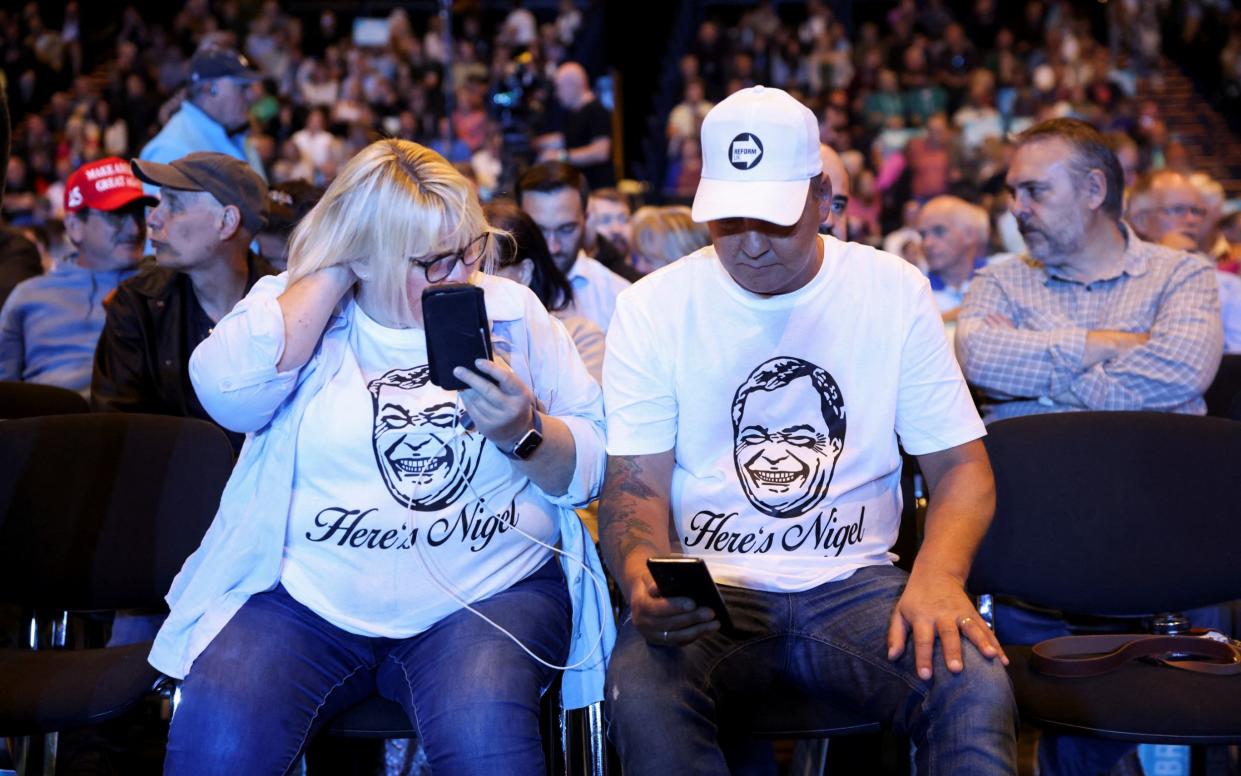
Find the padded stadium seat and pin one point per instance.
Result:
(97, 512)
(31, 400)
(1224, 396)
(1121, 514)
(1141, 702)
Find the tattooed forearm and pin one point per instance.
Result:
(621, 536)
(632, 513)
(624, 478)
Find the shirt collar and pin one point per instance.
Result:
(575, 271)
(937, 280)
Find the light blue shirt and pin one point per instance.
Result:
(190, 129)
(1229, 308)
(235, 377)
(50, 324)
(948, 298)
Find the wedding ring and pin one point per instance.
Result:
(961, 622)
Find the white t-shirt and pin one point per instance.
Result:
(784, 411)
(390, 494)
(520, 27)
(318, 147)
(594, 291)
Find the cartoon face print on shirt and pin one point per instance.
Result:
(423, 451)
(788, 431)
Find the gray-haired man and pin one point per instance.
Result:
(211, 206)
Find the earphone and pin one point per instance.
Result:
(445, 587)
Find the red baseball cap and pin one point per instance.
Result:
(104, 184)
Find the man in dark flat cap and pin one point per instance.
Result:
(211, 207)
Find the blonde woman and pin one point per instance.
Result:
(380, 534)
(661, 235)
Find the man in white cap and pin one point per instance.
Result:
(730, 378)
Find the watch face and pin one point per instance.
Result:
(526, 446)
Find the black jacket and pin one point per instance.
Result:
(19, 260)
(607, 254)
(153, 324)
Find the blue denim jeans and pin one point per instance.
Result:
(278, 672)
(832, 642)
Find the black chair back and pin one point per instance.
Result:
(1224, 396)
(1113, 513)
(100, 511)
(31, 400)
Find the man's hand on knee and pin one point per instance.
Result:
(667, 621)
(935, 605)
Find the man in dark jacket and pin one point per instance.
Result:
(211, 206)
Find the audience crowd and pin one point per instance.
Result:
(922, 102)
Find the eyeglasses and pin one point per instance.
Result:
(438, 268)
(1180, 211)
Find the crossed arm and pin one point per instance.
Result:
(598, 150)
(1162, 368)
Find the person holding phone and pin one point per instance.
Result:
(756, 391)
(380, 533)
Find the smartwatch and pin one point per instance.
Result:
(529, 442)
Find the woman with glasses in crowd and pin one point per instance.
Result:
(526, 259)
(381, 534)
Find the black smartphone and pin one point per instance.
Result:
(455, 317)
(682, 576)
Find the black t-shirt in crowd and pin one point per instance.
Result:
(582, 126)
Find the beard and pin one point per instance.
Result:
(1048, 246)
(619, 243)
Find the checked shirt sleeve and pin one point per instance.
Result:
(1179, 360)
(1007, 362)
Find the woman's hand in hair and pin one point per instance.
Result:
(306, 306)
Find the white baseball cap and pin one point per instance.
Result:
(760, 149)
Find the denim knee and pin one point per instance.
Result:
(982, 685)
(638, 682)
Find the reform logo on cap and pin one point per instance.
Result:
(745, 151)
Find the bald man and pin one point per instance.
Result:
(837, 223)
(1167, 207)
(955, 237)
(580, 132)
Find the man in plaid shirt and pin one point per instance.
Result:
(1093, 318)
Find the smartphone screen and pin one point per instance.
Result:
(679, 576)
(455, 317)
